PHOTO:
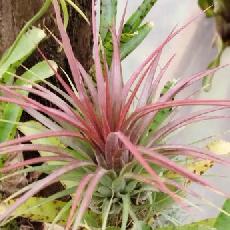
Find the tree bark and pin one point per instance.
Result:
(13, 15)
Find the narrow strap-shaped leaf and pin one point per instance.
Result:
(65, 12)
(208, 6)
(207, 81)
(70, 2)
(200, 225)
(223, 221)
(108, 11)
(139, 157)
(105, 214)
(87, 198)
(137, 17)
(125, 211)
(62, 213)
(162, 105)
(13, 112)
(36, 17)
(135, 40)
(77, 198)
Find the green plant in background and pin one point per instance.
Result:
(220, 10)
(25, 46)
(133, 32)
(105, 141)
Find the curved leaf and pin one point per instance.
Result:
(137, 17)
(223, 221)
(12, 112)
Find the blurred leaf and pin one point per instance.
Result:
(135, 40)
(93, 220)
(125, 211)
(205, 4)
(219, 147)
(25, 46)
(108, 13)
(140, 225)
(23, 31)
(223, 221)
(138, 16)
(45, 213)
(197, 167)
(133, 33)
(32, 128)
(38, 73)
(207, 81)
(65, 12)
(105, 211)
(78, 10)
(201, 225)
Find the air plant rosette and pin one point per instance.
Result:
(102, 140)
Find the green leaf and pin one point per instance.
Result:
(125, 211)
(12, 112)
(31, 128)
(140, 225)
(25, 46)
(105, 212)
(133, 33)
(129, 42)
(78, 10)
(65, 12)
(107, 16)
(223, 220)
(118, 184)
(207, 81)
(38, 73)
(135, 40)
(45, 213)
(62, 213)
(205, 4)
(93, 220)
(27, 26)
(137, 17)
(201, 225)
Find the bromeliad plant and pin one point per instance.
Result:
(103, 142)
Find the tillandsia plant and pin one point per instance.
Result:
(103, 140)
